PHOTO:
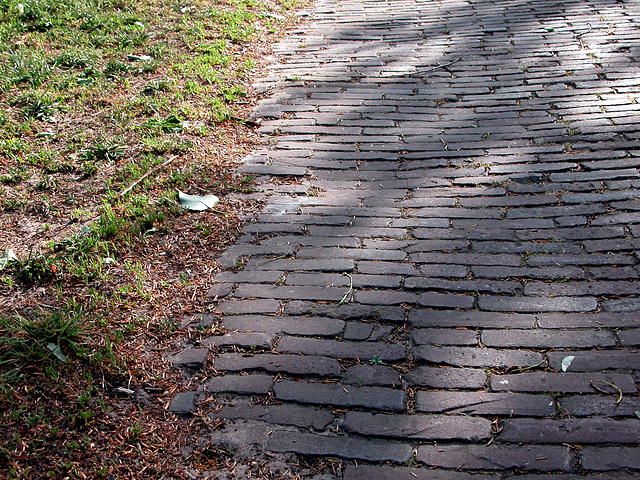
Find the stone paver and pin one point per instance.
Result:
(448, 247)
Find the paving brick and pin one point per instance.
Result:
(496, 457)
(596, 360)
(372, 375)
(476, 357)
(448, 378)
(484, 403)
(339, 446)
(592, 320)
(183, 403)
(420, 427)
(346, 311)
(334, 279)
(232, 307)
(461, 285)
(444, 336)
(537, 304)
(247, 290)
(562, 382)
(332, 348)
(290, 364)
(293, 265)
(385, 472)
(544, 273)
(285, 414)
(610, 458)
(624, 305)
(582, 288)
(570, 430)
(358, 331)
(376, 398)
(242, 340)
(315, 326)
(547, 338)
(381, 297)
(465, 259)
(240, 384)
(630, 337)
(605, 406)
(192, 358)
(419, 317)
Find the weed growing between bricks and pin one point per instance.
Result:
(108, 109)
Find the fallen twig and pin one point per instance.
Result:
(153, 170)
(431, 69)
(345, 298)
(584, 33)
(604, 391)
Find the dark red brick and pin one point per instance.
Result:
(285, 414)
(291, 364)
(339, 446)
(484, 403)
(477, 357)
(570, 430)
(331, 348)
(561, 382)
(376, 398)
(496, 457)
(447, 377)
(420, 427)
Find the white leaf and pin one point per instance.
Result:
(196, 203)
(566, 362)
(6, 257)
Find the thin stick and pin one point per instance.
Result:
(584, 33)
(345, 298)
(604, 391)
(153, 170)
(427, 70)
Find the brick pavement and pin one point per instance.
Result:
(444, 281)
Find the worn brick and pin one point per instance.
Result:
(582, 288)
(377, 375)
(285, 414)
(382, 297)
(545, 273)
(315, 326)
(334, 279)
(465, 259)
(605, 406)
(596, 360)
(590, 320)
(547, 338)
(192, 358)
(240, 384)
(342, 349)
(242, 340)
(477, 357)
(358, 331)
(385, 472)
(419, 317)
(376, 398)
(496, 457)
(484, 403)
(183, 403)
(424, 283)
(346, 311)
(442, 336)
(630, 337)
(624, 305)
(292, 265)
(420, 427)
(537, 304)
(447, 377)
(291, 364)
(570, 430)
(248, 290)
(561, 382)
(610, 458)
(339, 446)
(233, 307)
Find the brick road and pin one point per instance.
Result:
(444, 282)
